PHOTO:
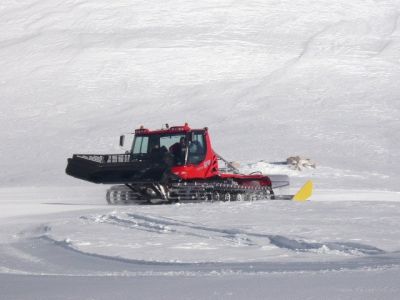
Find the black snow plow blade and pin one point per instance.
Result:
(115, 168)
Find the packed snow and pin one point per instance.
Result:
(271, 79)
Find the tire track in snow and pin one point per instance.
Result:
(163, 225)
(61, 258)
(276, 240)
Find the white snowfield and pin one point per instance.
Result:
(75, 247)
(271, 79)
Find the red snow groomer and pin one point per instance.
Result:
(175, 164)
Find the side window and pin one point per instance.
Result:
(141, 144)
(198, 139)
(197, 149)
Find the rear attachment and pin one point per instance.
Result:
(116, 168)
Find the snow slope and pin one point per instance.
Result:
(270, 79)
(277, 78)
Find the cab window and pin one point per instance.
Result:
(140, 145)
(197, 149)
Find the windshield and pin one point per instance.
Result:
(173, 144)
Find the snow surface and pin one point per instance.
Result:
(76, 247)
(271, 79)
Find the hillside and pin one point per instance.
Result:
(269, 78)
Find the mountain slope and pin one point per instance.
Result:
(269, 78)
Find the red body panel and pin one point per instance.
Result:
(208, 167)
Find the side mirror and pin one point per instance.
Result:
(121, 140)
